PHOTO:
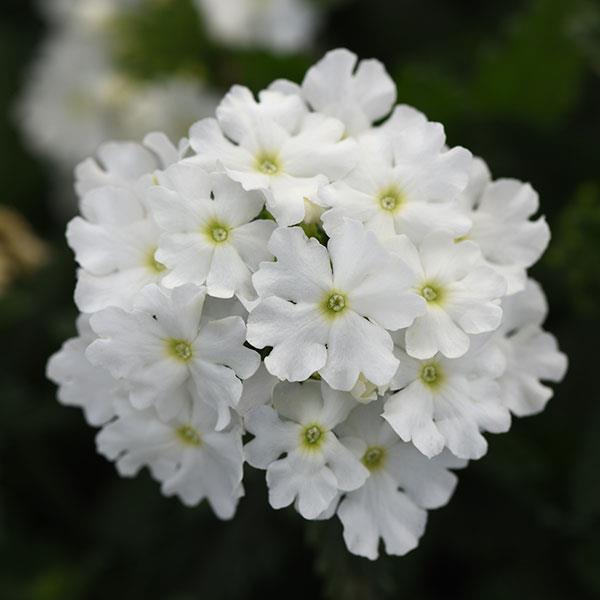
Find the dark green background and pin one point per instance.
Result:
(516, 82)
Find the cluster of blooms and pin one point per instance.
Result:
(279, 25)
(76, 96)
(347, 296)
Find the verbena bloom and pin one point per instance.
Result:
(287, 155)
(209, 232)
(185, 453)
(358, 93)
(406, 181)
(443, 403)
(320, 276)
(462, 295)
(316, 465)
(330, 309)
(115, 241)
(81, 384)
(163, 344)
(501, 213)
(402, 483)
(532, 354)
(128, 164)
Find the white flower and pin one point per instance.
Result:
(447, 403)
(114, 241)
(356, 93)
(316, 465)
(287, 154)
(405, 182)
(76, 97)
(210, 235)
(501, 212)
(127, 164)
(239, 112)
(281, 25)
(531, 353)
(163, 344)
(185, 453)
(328, 309)
(401, 484)
(89, 387)
(461, 293)
(66, 108)
(393, 334)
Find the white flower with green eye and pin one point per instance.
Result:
(210, 235)
(81, 384)
(532, 354)
(114, 240)
(405, 182)
(501, 214)
(316, 465)
(395, 324)
(356, 93)
(402, 483)
(286, 157)
(163, 344)
(185, 454)
(462, 295)
(330, 309)
(443, 403)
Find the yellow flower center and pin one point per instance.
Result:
(189, 436)
(390, 199)
(374, 458)
(431, 375)
(334, 304)
(180, 349)
(432, 292)
(268, 164)
(312, 436)
(217, 232)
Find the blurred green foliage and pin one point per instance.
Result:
(517, 82)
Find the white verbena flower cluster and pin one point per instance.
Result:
(360, 363)
(76, 96)
(280, 25)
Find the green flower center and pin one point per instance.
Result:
(180, 349)
(390, 199)
(268, 164)
(431, 292)
(216, 232)
(431, 375)
(373, 458)
(188, 435)
(312, 436)
(219, 234)
(335, 303)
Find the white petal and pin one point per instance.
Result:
(302, 272)
(355, 346)
(297, 332)
(410, 413)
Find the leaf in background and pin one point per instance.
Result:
(575, 250)
(535, 73)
